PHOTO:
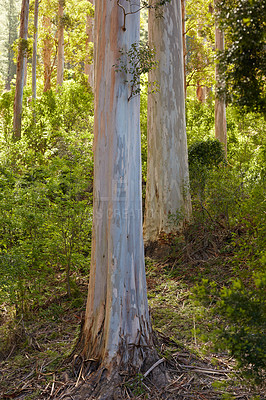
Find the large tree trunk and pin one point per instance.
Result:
(21, 64)
(167, 163)
(89, 67)
(60, 54)
(117, 326)
(220, 106)
(34, 53)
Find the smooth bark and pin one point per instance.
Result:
(47, 51)
(117, 326)
(183, 5)
(220, 105)
(60, 54)
(34, 53)
(21, 65)
(167, 164)
(89, 67)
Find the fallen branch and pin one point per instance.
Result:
(154, 366)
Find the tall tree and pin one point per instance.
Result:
(89, 68)
(117, 329)
(60, 51)
(47, 47)
(11, 21)
(220, 106)
(167, 163)
(34, 53)
(21, 64)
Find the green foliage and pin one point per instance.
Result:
(135, 62)
(199, 120)
(46, 196)
(243, 63)
(209, 153)
(242, 311)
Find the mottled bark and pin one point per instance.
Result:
(21, 65)
(60, 53)
(34, 53)
(167, 163)
(89, 66)
(220, 106)
(117, 326)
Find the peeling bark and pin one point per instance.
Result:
(117, 329)
(167, 163)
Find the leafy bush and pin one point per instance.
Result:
(242, 314)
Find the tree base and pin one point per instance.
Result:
(96, 383)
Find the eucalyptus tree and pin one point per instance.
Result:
(167, 163)
(60, 43)
(117, 328)
(34, 52)
(220, 106)
(21, 65)
(89, 68)
(9, 10)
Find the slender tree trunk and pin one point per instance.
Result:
(89, 67)
(21, 64)
(60, 54)
(167, 163)
(183, 4)
(12, 36)
(47, 53)
(117, 326)
(34, 53)
(220, 106)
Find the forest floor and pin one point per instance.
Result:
(35, 363)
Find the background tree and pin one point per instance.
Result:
(200, 43)
(9, 22)
(167, 164)
(60, 45)
(34, 52)
(89, 67)
(21, 65)
(220, 106)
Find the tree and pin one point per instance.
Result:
(47, 45)
(220, 106)
(167, 162)
(11, 28)
(34, 53)
(117, 328)
(243, 62)
(89, 68)
(60, 52)
(21, 64)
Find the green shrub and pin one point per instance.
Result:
(242, 314)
